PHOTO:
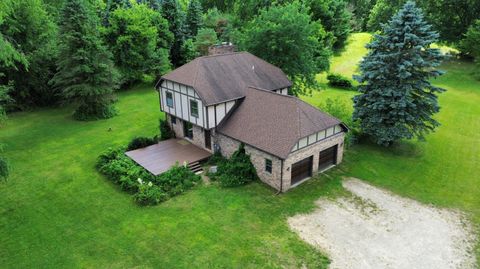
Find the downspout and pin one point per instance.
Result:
(281, 177)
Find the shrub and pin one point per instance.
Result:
(141, 142)
(177, 180)
(4, 171)
(149, 194)
(121, 170)
(165, 130)
(236, 171)
(339, 109)
(109, 155)
(339, 81)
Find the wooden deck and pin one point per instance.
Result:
(160, 157)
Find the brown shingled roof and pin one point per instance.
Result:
(273, 122)
(223, 77)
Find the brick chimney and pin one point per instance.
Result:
(223, 48)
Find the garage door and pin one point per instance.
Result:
(327, 158)
(302, 170)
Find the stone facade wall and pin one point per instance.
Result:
(229, 145)
(198, 132)
(198, 136)
(177, 128)
(312, 150)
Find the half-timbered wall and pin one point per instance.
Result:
(316, 137)
(217, 112)
(282, 91)
(182, 96)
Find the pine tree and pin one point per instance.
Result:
(86, 75)
(173, 13)
(397, 100)
(194, 18)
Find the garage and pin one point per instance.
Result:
(301, 170)
(327, 158)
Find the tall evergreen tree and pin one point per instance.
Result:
(194, 19)
(397, 100)
(173, 13)
(86, 75)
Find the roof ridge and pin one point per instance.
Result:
(221, 54)
(270, 91)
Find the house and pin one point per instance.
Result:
(222, 100)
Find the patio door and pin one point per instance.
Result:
(208, 139)
(187, 129)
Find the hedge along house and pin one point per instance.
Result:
(220, 101)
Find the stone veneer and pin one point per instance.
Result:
(198, 133)
(312, 150)
(229, 145)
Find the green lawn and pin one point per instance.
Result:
(57, 211)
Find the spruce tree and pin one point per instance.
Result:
(397, 100)
(194, 19)
(86, 75)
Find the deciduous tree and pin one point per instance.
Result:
(397, 99)
(334, 17)
(140, 40)
(205, 38)
(471, 44)
(287, 37)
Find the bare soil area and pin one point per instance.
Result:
(373, 228)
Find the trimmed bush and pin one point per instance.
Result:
(339, 81)
(165, 130)
(141, 142)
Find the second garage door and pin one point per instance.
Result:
(302, 170)
(327, 158)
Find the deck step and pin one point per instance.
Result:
(195, 167)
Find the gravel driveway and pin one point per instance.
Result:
(374, 228)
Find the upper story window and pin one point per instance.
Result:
(169, 99)
(194, 108)
(268, 165)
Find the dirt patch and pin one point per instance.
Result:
(374, 228)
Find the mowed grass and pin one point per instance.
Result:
(57, 211)
(444, 169)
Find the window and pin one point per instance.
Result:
(268, 165)
(194, 108)
(173, 120)
(169, 99)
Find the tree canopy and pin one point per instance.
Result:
(334, 17)
(86, 75)
(287, 37)
(140, 40)
(397, 99)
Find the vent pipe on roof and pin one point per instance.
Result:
(223, 48)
